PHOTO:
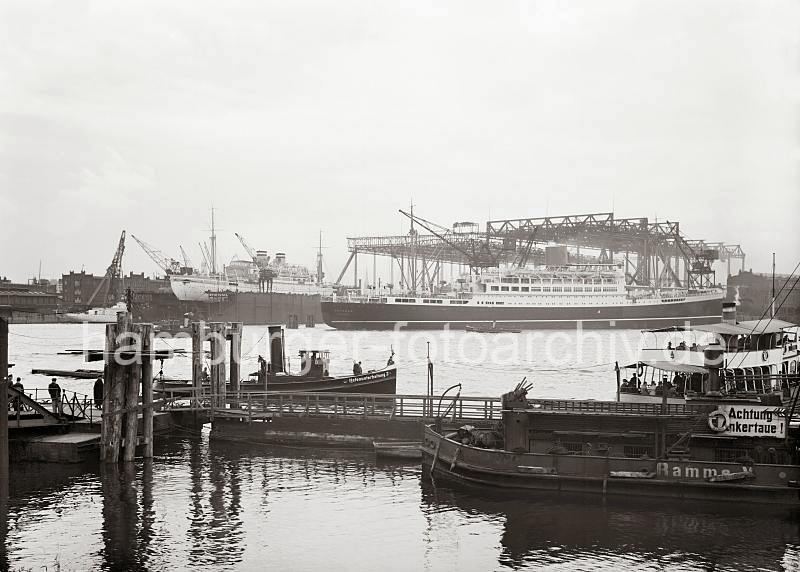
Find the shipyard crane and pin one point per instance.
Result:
(113, 273)
(265, 273)
(187, 263)
(249, 249)
(167, 264)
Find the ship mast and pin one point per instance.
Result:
(213, 245)
(319, 261)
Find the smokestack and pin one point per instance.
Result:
(275, 349)
(729, 313)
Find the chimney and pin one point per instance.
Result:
(275, 349)
(729, 313)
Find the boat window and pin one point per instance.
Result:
(525, 288)
(495, 288)
(545, 288)
(515, 288)
(638, 451)
(556, 288)
(730, 454)
(536, 288)
(525, 280)
(504, 288)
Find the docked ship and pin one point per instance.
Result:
(594, 295)
(261, 273)
(757, 359)
(244, 276)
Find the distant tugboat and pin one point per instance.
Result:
(522, 298)
(314, 374)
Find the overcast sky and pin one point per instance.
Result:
(297, 116)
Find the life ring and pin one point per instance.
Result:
(764, 355)
(639, 370)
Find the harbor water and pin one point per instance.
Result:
(219, 505)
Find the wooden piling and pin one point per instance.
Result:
(217, 337)
(114, 401)
(147, 388)
(3, 412)
(235, 335)
(133, 380)
(198, 353)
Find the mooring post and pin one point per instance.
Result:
(132, 383)
(217, 337)
(114, 403)
(110, 374)
(146, 331)
(3, 413)
(198, 353)
(235, 334)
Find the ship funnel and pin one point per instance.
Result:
(729, 313)
(276, 349)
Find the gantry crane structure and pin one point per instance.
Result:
(654, 254)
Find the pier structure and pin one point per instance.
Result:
(654, 253)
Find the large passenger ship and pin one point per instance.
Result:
(596, 296)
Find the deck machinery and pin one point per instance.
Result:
(655, 254)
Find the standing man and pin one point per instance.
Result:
(55, 395)
(18, 400)
(98, 393)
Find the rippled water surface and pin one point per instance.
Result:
(220, 505)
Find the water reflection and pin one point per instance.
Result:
(216, 505)
(591, 533)
(215, 529)
(122, 549)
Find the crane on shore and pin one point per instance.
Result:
(112, 276)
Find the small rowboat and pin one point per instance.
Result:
(398, 449)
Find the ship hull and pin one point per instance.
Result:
(204, 289)
(446, 460)
(382, 382)
(386, 316)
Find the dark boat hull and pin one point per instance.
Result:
(446, 460)
(383, 382)
(382, 316)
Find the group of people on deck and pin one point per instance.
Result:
(682, 346)
(672, 388)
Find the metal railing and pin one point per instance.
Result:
(265, 404)
(261, 404)
(616, 407)
(72, 406)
